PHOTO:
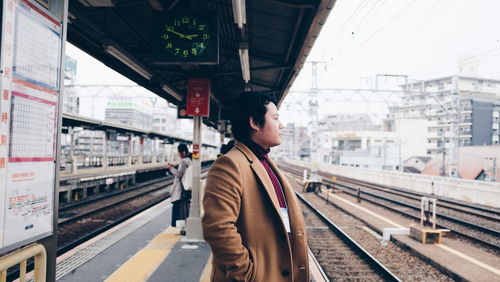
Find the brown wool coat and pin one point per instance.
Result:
(243, 226)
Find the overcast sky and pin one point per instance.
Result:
(422, 39)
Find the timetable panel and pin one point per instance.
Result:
(30, 82)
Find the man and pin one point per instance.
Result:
(253, 221)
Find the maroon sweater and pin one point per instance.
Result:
(263, 156)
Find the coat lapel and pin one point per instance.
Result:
(293, 206)
(261, 173)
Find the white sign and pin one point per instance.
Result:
(30, 85)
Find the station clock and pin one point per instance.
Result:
(185, 38)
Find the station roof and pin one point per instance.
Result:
(279, 35)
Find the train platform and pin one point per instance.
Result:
(143, 248)
(459, 260)
(99, 172)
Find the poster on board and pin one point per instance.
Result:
(28, 121)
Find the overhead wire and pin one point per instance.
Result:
(333, 61)
(472, 59)
(395, 39)
(405, 30)
(346, 23)
(368, 17)
(346, 35)
(378, 30)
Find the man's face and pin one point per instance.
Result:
(268, 136)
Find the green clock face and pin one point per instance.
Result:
(185, 37)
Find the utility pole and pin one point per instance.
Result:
(494, 172)
(454, 140)
(385, 155)
(313, 111)
(443, 167)
(453, 119)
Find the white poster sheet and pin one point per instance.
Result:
(28, 121)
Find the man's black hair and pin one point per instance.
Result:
(249, 104)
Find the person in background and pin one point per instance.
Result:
(253, 221)
(180, 198)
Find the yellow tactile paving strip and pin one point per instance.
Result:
(144, 263)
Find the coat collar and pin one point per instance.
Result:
(261, 173)
(251, 157)
(293, 205)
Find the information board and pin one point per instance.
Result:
(30, 84)
(198, 97)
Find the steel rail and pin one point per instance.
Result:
(470, 237)
(383, 271)
(417, 218)
(112, 194)
(445, 203)
(106, 207)
(441, 200)
(417, 208)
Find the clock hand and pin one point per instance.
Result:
(191, 36)
(178, 33)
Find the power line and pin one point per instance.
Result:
(378, 30)
(347, 36)
(371, 37)
(395, 39)
(368, 17)
(341, 30)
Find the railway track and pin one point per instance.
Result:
(340, 256)
(81, 209)
(84, 221)
(91, 223)
(481, 230)
(343, 264)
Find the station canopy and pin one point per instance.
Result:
(277, 35)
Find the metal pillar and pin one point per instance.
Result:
(142, 139)
(193, 223)
(129, 151)
(60, 9)
(154, 159)
(104, 161)
(71, 132)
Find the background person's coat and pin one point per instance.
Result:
(243, 226)
(176, 190)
